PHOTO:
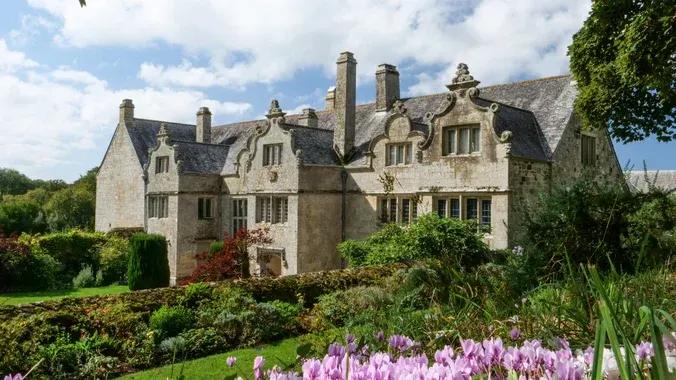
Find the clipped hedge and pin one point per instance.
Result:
(148, 262)
(120, 322)
(73, 250)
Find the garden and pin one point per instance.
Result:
(589, 293)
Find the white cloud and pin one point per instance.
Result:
(31, 26)
(11, 61)
(262, 41)
(53, 117)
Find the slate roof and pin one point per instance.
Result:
(535, 111)
(664, 179)
(201, 158)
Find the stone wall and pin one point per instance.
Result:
(567, 157)
(527, 179)
(120, 189)
(319, 231)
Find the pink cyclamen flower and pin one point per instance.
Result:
(259, 362)
(380, 336)
(230, 361)
(644, 351)
(18, 376)
(515, 333)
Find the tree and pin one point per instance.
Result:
(83, 3)
(72, 207)
(21, 216)
(14, 183)
(624, 62)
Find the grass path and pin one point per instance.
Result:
(214, 367)
(27, 297)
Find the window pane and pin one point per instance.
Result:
(409, 152)
(400, 154)
(486, 212)
(405, 210)
(472, 209)
(455, 208)
(441, 208)
(279, 154)
(285, 216)
(200, 208)
(383, 210)
(450, 141)
(476, 138)
(393, 210)
(414, 210)
(207, 211)
(392, 154)
(464, 141)
(278, 210)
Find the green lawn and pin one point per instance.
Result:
(27, 297)
(214, 367)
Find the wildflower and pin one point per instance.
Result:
(349, 338)
(380, 336)
(15, 377)
(230, 361)
(644, 351)
(515, 333)
(524, 300)
(517, 251)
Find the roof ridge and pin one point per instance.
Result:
(308, 127)
(527, 81)
(199, 143)
(168, 122)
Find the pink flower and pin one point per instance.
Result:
(15, 377)
(231, 361)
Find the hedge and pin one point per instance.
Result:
(148, 262)
(73, 250)
(119, 322)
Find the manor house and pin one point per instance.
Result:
(318, 178)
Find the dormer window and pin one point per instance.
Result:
(399, 154)
(461, 140)
(272, 154)
(162, 164)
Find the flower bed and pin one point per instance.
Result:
(402, 360)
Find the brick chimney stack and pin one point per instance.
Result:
(203, 130)
(387, 86)
(126, 111)
(345, 103)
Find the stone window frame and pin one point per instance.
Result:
(588, 142)
(272, 252)
(484, 217)
(239, 219)
(161, 164)
(272, 154)
(393, 148)
(452, 150)
(272, 209)
(205, 208)
(158, 206)
(397, 205)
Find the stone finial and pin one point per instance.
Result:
(308, 118)
(126, 110)
(164, 134)
(463, 79)
(275, 110)
(398, 107)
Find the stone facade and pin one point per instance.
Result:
(318, 178)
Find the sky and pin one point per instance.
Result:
(65, 69)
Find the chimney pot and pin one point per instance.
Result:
(331, 98)
(387, 86)
(203, 127)
(345, 103)
(126, 111)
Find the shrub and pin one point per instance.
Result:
(601, 224)
(197, 295)
(148, 262)
(228, 259)
(202, 342)
(114, 258)
(335, 308)
(22, 269)
(454, 242)
(73, 250)
(84, 279)
(169, 321)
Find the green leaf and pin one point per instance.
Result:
(599, 344)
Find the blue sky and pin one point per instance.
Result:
(64, 69)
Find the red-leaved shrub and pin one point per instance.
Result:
(230, 262)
